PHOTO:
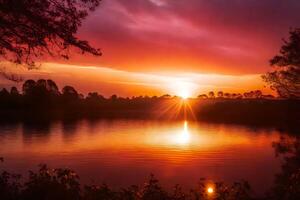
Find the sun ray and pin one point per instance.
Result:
(191, 110)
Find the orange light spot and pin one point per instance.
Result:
(210, 190)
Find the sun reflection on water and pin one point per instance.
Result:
(181, 151)
(184, 136)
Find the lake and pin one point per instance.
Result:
(125, 152)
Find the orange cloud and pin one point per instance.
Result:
(199, 36)
(109, 81)
(146, 44)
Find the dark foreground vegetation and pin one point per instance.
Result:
(42, 100)
(64, 184)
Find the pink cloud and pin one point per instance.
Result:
(227, 36)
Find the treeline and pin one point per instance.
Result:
(47, 90)
(257, 112)
(42, 99)
(255, 94)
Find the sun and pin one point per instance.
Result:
(184, 94)
(182, 88)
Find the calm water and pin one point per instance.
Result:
(125, 152)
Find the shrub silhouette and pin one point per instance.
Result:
(64, 184)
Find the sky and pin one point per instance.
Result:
(152, 47)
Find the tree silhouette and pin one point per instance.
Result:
(287, 182)
(33, 28)
(285, 78)
(28, 87)
(94, 97)
(52, 184)
(220, 94)
(52, 87)
(227, 95)
(4, 92)
(211, 94)
(202, 96)
(14, 91)
(63, 183)
(113, 97)
(69, 91)
(165, 96)
(257, 94)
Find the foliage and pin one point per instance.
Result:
(255, 94)
(33, 28)
(64, 184)
(52, 184)
(285, 78)
(287, 183)
(10, 186)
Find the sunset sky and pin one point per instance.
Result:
(152, 47)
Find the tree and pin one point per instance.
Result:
(70, 93)
(165, 96)
(113, 97)
(4, 92)
(248, 95)
(257, 94)
(202, 96)
(285, 78)
(52, 87)
(220, 94)
(28, 87)
(33, 28)
(227, 95)
(94, 96)
(211, 94)
(287, 182)
(233, 95)
(40, 88)
(14, 91)
(239, 96)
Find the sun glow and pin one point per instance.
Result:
(183, 137)
(182, 88)
(210, 190)
(184, 94)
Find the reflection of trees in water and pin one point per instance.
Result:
(287, 182)
(286, 185)
(37, 129)
(69, 127)
(44, 129)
